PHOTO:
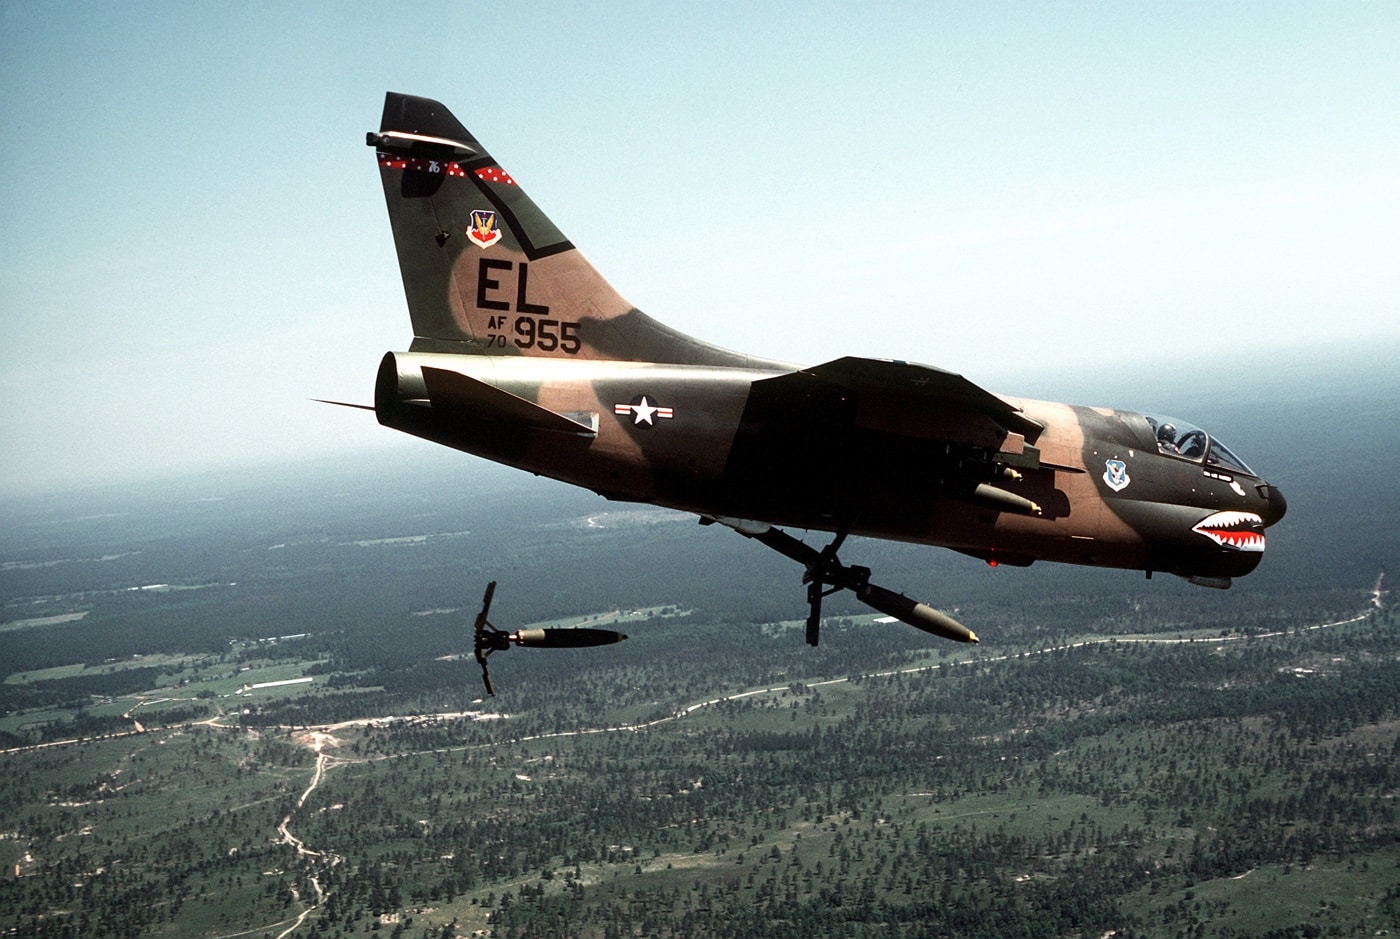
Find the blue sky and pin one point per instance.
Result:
(195, 242)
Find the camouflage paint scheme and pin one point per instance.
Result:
(524, 354)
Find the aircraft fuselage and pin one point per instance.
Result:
(704, 440)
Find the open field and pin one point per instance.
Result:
(1219, 790)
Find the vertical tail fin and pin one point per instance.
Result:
(485, 271)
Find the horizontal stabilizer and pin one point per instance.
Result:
(455, 391)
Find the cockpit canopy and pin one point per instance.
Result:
(1188, 442)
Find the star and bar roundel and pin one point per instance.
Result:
(644, 411)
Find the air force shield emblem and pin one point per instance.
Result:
(1115, 475)
(484, 231)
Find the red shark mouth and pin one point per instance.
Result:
(1240, 531)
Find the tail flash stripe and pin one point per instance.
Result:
(494, 174)
(391, 162)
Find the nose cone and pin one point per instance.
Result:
(1277, 504)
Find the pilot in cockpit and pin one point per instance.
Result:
(1189, 442)
(1166, 437)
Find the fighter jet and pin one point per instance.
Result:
(523, 354)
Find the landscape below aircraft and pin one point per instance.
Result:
(523, 354)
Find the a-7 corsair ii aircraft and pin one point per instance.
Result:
(524, 355)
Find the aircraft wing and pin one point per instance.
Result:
(913, 400)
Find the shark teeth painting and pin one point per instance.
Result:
(1243, 531)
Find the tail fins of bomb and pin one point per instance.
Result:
(487, 638)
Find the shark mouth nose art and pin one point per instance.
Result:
(1242, 531)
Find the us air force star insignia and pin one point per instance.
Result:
(643, 411)
(1115, 475)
